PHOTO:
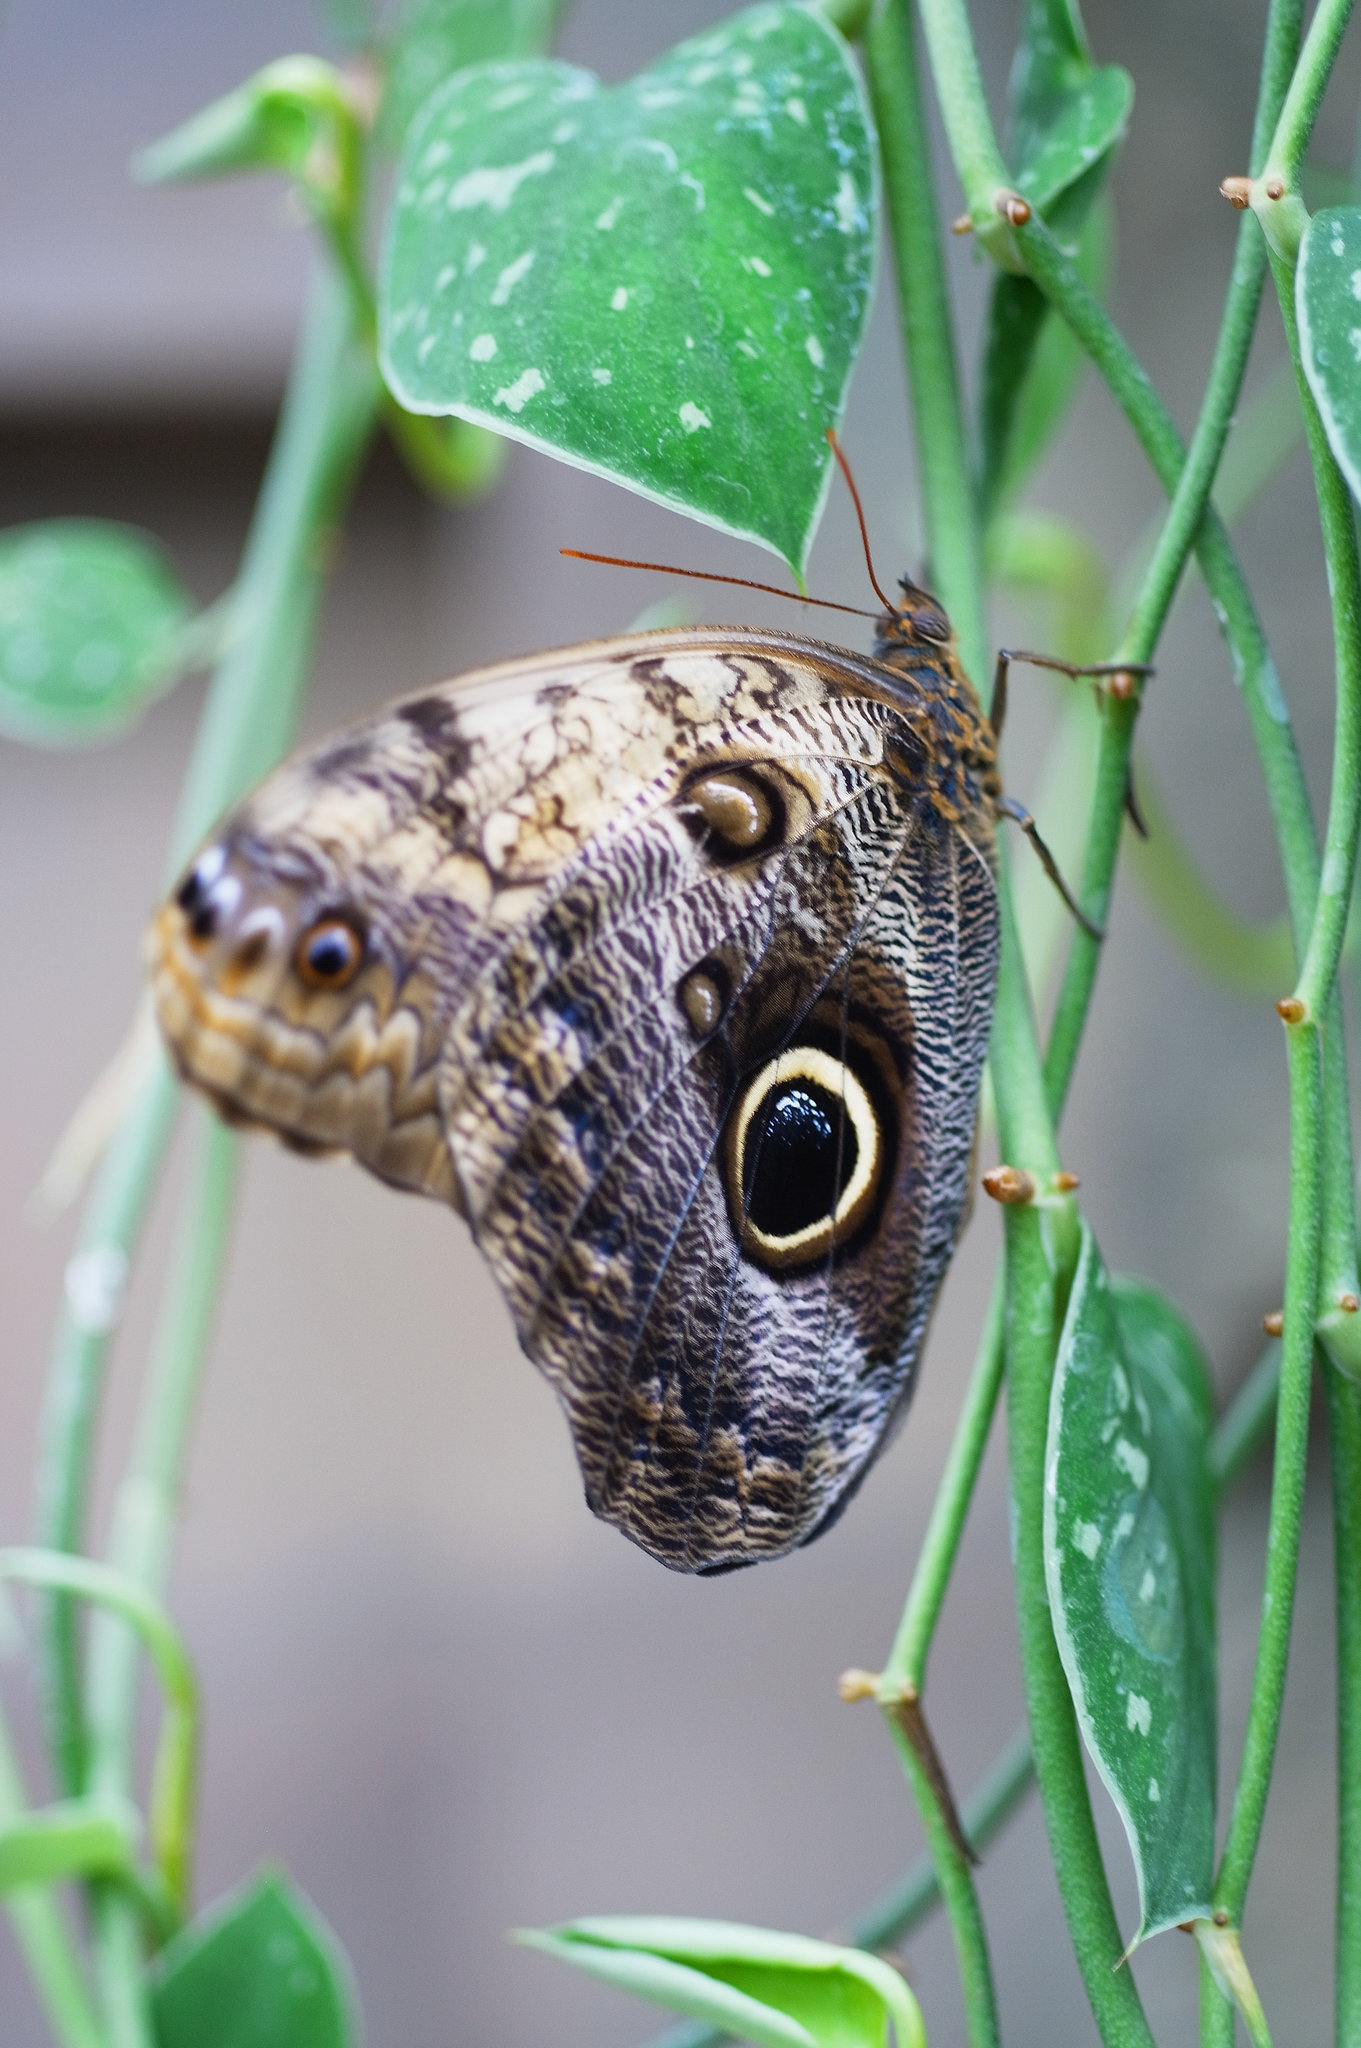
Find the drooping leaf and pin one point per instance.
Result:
(435, 38)
(666, 283)
(1328, 305)
(262, 1970)
(1129, 1562)
(780, 1990)
(92, 626)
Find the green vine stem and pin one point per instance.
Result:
(145, 1513)
(41, 1932)
(1344, 1436)
(247, 719)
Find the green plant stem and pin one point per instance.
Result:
(247, 719)
(1295, 122)
(145, 1513)
(954, 541)
(963, 103)
(959, 1895)
(1244, 1424)
(40, 1931)
(1344, 1437)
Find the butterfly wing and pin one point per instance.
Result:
(676, 983)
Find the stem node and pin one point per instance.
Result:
(1010, 1185)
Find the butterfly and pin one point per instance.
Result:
(668, 962)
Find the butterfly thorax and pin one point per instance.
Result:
(959, 751)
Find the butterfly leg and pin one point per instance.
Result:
(1009, 807)
(1074, 670)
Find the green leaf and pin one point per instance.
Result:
(438, 37)
(665, 283)
(1064, 114)
(279, 119)
(780, 1990)
(1129, 1563)
(1328, 304)
(92, 626)
(261, 1971)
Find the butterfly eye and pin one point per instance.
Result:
(804, 1155)
(329, 955)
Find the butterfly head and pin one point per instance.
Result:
(918, 625)
(284, 992)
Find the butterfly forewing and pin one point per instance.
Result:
(674, 970)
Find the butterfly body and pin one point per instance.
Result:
(668, 962)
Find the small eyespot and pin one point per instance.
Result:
(804, 1156)
(330, 954)
(738, 813)
(702, 996)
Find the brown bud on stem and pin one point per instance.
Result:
(1064, 1183)
(858, 1685)
(1275, 189)
(1349, 1303)
(1009, 1184)
(962, 224)
(1292, 1010)
(1012, 207)
(1274, 1323)
(1238, 192)
(1123, 685)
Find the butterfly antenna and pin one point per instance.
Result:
(836, 448)
(712, 576)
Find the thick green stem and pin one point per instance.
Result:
(954, 541)
(145, 1513)
(959, 1895)
(247, 720)
(40, 1931)
(1344, 1436)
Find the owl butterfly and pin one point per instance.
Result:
(668, 963)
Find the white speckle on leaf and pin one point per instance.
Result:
(424, 347)
(701, 74)
(692, 419)
(1154, 1792)
(661, 149)
(1087, 1537)
(510, 277)
(761, 205)
(1120, 1381)
(1124, 1527)
(757, 264)
(603, 376)
(438, 153)
(746, 348)
(445, 277)
(689, 341)
(1148, 1586)
(607, 219)
(510, 96)
(620, 299)
(474, 259)
(565, 131)
(1131, 1459)
(496, 188)
(797, 111)
(816, 355)
(659, 96)
(482, 347)
(1354, 337)
(846, 203)
(1356, 274)
(696, 187)
(516, 396)
(1138, 1713)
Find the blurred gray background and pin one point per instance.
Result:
(448, 1699)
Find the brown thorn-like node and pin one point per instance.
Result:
(1009, 1185)
(1012, 207)
(1275, 189)
(1123, 685)
(1064, 1183)
(1220, 1917)
(858, 1685)
(1349, 1303)
(1238, 192)
(1274, 1324)
(1292, 1009)
(962, 224)
(907, 1712)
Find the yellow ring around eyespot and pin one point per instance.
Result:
(808, 1063)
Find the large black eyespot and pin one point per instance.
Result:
(329, 954)
(738, 812)
(805, 1152)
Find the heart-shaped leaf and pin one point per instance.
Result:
(665, 283)
(1328, 304)
(1129, 1563)
(260, 1971)
(92, 625)
(438, 37)
(1064, 114)
(780, 1990)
